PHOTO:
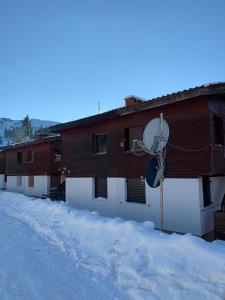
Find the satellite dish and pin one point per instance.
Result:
(152, 173)
(151, 135)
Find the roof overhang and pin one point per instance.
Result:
(204, 90)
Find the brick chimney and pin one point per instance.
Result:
(133, 100)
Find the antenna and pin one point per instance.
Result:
(155, 137)
(152, 172)
(99, 107)
(161, 170)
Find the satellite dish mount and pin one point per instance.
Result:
(155, 137)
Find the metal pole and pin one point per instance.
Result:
(161, 171)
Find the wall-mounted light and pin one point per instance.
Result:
(64, 171)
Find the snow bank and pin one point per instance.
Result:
(143, 262)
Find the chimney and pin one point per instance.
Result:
(133, 100)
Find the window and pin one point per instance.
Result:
(100, 143)
(101, 187)
(30, 156)
(206, 191)
(130, 135)
(136, 190)
(5, 178)
(218, 131)
(31, 181)
(19, 180)
(57, 155)
(57, 151)
(19, 157)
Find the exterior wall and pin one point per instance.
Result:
(43, 160)
(2, 181)
(41, 185)
(189, 128)
(217, 188)
(2, 162)
(129, 210)
(181, 202)
(80, 192)
(181, 205)
(12, 184)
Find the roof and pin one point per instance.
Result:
(203, 90)
(86, 121)
(45, 139)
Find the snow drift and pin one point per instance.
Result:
(141, 261)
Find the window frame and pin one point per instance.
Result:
(32, 156)
(95, 144)
(128, 144)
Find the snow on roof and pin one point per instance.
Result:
(32, 141)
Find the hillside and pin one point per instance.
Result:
(7, 123)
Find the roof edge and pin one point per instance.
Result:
(203, 90)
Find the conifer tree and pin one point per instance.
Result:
(26, 124)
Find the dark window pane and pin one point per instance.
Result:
(131, 134)
(101, 187)
(100, 143)
(206, 191)
(218, 131)
(136, 190)
(57, 151)
(31, 181)
(19, 157)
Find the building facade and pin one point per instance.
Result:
(2, 170)
(103, 174)
(32, 168)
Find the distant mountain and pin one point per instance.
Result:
(9, 124)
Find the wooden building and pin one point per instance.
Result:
(2, 169)
(103, 174)
(33, 167)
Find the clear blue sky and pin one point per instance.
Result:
(58, 58)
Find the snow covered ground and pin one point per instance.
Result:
(49, 250)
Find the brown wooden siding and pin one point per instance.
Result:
(189, 128)
(43, 160)
(2, 162)
(55, 180)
